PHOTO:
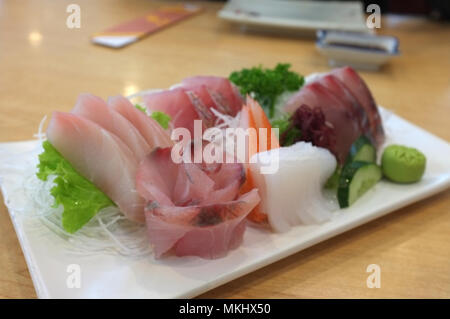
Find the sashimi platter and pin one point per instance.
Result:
(171, 192)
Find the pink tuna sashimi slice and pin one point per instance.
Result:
(339, 89)
(222, 92)
(228, 180)
(302, 97)
(204, 112)
(339, 117)
(361, 92)
(208, 231)
(99, 156)
(175, 103)
(202, 92)
(152, 132)
(95, 109)
(210, 99)
(179, 194)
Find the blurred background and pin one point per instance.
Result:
(436, 9)
(44, 64)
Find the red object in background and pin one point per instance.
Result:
(131, 31)
(412, 6)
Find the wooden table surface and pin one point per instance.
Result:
(44, 66)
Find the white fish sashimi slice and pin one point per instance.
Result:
(95, 109)
(320, 162)
(293, 195)
(99, 156)
(152, 132)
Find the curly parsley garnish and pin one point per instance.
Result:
(266, 85)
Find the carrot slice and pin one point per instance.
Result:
(261, 121)
(253, 116)
(248, 121)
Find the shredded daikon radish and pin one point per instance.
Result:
(230, 137)
(40, 135)
(109, 231)
(226, 121)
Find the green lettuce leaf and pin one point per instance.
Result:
(288, 133)
(80, 198)
(162, 118)
(140, 108)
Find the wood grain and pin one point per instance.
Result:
(44, 66)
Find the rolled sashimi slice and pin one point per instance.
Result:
(99, 156)
(208, 231)
(190, 203)
(95, 109)
(293, 194)
(150, 130)
(164, 182)
(192, 186)
(228, 179)
(361, 92)
(159, 180)
(175, 103)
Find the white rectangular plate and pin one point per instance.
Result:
(115, 276)
(296, 15)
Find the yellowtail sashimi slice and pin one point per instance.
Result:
(99, 156)
(152, 132)
(95, 109)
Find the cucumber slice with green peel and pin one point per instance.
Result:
(333, 180)
(362, 150)
(356, 179)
